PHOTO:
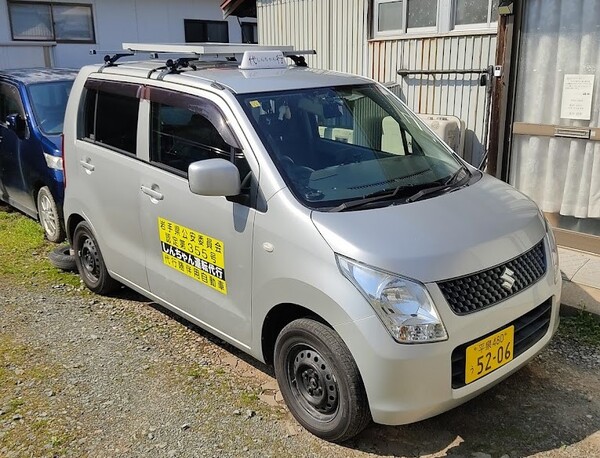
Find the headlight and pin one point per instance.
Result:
(553, 251)
(404, 306)
(53, 162)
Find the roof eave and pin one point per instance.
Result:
(240, 8)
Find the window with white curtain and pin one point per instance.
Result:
(398, 17)
(61, 22)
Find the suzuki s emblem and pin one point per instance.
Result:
(508, 279)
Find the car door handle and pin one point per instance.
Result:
(152, 193)
(86, 165)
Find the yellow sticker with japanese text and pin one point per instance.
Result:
(193, 253)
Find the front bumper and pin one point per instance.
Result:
(408, 383)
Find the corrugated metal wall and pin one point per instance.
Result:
(336, 29)
(457, 95)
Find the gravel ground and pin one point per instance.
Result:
(84, 375)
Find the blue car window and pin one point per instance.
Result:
(49, 101)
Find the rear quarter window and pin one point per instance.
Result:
(109, 115)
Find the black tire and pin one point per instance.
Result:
(49, 216)
(90, 262)
(62, 258)
(320, 381)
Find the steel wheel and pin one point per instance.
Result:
(320, 381)
(90, 262)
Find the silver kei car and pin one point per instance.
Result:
(312, 220)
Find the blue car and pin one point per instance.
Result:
(32, 108)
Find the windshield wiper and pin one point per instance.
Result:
(450, 183)
(374, 197)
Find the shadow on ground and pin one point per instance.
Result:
(535, 410)
(524, 415)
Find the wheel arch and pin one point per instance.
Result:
(276, 319)
(71, 224)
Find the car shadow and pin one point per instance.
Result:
(526, 414)
(532, 411)
(266, 369)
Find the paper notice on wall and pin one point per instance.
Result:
(577, 97)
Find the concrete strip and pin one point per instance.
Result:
(589, 273)
(576, 297)
(571, 261)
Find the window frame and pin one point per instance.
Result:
(476, 25)
(205, 21)
(50, 6)
(445, 21)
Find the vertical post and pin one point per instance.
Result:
(498, 102)
(507, 55)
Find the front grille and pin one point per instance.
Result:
(529, 328)
(474, 292)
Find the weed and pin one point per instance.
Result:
(24, 252)
(248, 399)
(583, 327)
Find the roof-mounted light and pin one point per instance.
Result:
(254, 60)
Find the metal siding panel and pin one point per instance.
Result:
(395, 64)
(440, 83)
(351, 48)
(479, 108)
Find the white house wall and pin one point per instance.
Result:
(115, 22)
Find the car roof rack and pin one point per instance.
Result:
(201, 49)
(251, 56)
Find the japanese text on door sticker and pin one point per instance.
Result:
(194, 254)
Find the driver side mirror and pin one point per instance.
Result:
(214, 177)
(17, 124)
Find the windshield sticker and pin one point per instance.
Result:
(254, 103)
(194, 254)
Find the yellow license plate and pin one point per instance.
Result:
(489, 354)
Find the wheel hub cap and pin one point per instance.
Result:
(89, 259)
(315, 382)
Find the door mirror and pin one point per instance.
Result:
(17, 124)
(214, 177)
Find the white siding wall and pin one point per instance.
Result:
(115, 22)
(457, 95)
(25, 56)
(336, 29)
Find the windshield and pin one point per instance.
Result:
(49, 101)
(339, 144)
